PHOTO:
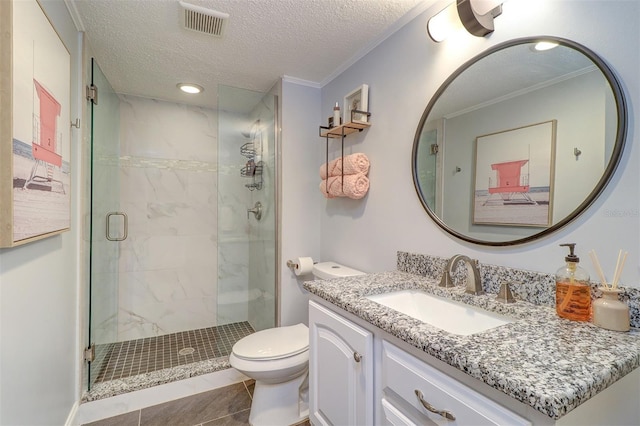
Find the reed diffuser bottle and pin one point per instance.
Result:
(573, 290)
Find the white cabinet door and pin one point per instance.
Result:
(340, 370)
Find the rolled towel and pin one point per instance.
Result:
(353, 164)
(355, 186)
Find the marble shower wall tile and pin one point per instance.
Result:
(168, 188)
(233, 277)
(156, 129)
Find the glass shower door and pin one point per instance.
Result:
(246, 208)
(429, 165)
(107, 225)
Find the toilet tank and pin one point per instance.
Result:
(328, 270)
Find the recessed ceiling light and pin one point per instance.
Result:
(545, 45)
(190, 88)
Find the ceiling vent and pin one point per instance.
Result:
(203, 20)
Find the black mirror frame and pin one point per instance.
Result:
(616, 155)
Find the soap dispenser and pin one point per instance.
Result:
(573, 289)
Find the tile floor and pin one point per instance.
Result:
(133, 357)
(226, 406)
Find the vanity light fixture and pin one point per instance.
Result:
(544, 45)
(444, 23)
(461, 14)
(190, 88)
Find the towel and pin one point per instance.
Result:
(355, 186)
(353, 164)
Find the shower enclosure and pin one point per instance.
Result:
(180, 268)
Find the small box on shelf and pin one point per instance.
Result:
(332, 124)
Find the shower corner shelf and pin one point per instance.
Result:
(254, 185)
(248, 150)
(253, 169)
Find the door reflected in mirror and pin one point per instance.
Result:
(518, 142)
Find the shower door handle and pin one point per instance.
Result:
(125, 223)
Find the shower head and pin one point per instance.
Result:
(246, 134)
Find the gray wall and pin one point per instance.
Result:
(39, 294)
(301, 199)
(573, 179)
(403, 73)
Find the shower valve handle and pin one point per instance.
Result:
(256, 210)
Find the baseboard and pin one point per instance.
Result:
(72, 414)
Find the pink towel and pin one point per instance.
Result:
(353, 164)
(355, 186)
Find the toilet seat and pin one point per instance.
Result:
(273, 343)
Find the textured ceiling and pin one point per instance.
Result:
(143, 49)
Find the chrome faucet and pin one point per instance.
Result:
(474, 283)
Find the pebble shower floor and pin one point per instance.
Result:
(133, 357)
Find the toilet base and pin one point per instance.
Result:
(280, 404)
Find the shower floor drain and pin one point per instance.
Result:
(186, 351)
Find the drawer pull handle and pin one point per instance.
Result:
(357, 356)
(444, 413)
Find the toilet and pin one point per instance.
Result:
(278, 360)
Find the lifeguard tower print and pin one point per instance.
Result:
(41, 127)
(45, 147)
(511, 185)
(514, 177)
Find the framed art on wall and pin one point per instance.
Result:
(358, 100)
(35, 131)
(514, 173)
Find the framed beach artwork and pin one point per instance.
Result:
(35, 131)
(514, 173)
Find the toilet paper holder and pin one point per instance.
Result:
(301, 265)
(291, 264)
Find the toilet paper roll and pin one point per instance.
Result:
(304, 265)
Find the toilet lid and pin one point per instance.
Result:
(273, 343)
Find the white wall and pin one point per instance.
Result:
(404, 72)
(39, 290)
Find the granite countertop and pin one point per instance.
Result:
(547, 362)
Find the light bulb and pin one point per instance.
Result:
(190, 88)
(444, 23)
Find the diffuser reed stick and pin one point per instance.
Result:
(619, 267)
(596, 263)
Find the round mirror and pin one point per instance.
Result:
(519, 141)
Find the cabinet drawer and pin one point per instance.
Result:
(403, 375)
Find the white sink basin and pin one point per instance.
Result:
(448, 315)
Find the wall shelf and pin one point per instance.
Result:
(339, 132)
(343, 129)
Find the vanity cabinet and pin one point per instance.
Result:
(362, 375)
(340, 370)
(415, 393)
(344, 391)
